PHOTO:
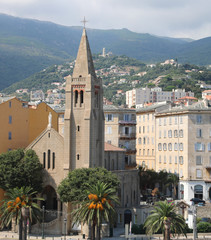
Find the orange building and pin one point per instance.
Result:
(21, 123)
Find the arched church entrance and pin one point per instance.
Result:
(127, 216)
(198, 191)
(50, 203)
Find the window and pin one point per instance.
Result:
(148, 129)
(199, 147)
(147, 140)
(148, 117)
(10, 135)
(10, 119)
(139, 141)
(78, 128)
(152, 128)
(143, 118)
(175, 120)
(198, 160)
(181, 173)
(139, 118)
(76, 97)
(175, 134)
(198, 173)
(198, 119)
(181, 160)
(159, 146)
(160, 122)
(181, 133)
(10, 104)
(49, 158)
(164, 121)
(82, 98)
(126, 130)
(140, 129)
(181, 146)
(152, 152)
(160, 134)
(170, 121)
(170, 160)
(170, 147)
(53, 160)
(127, 117)
(159, 159)
(175, 159)
(139, 152)
(175, 147)
(143, 164)
(181, 121)
(109, 117)
(164, 147)
(144, 140)
(147, 152)
(164, 159)
(143, 152)
(209, 147)
(210, 132)
(152, 140)
(78, 156)
(198, 132)
(44, 159)
(164, 133)
(169, 133)
(109, 130)
(143, 129)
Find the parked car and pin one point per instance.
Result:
(197, 200)
(200, 204)
(205, 220)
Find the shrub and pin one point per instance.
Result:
(204, 227)
(138, 229)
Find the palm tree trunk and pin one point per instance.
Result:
(98, 232)
(20, 230)
(167, 226)
(93, 231)
(25, 229)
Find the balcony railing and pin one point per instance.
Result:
(132, 122)
(127, 136)
(130, 151)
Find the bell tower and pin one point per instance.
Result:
(84, 118)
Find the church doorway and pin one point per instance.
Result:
(210, 193)
(127, 216)
(50, 203)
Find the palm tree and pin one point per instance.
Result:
(165, 218)
(97, 206)
(20, 205)
(173, 180)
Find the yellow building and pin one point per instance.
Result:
(22, 123)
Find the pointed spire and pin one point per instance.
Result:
(84, 63)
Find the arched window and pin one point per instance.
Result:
(175, 147)
(175, 134)
(180, 133)
(182, 191)
(139, 141)
(198, 191)
(81, 97)
(159, 146)
(164, 147)
(76, 97)
(49, 158)
(44, 159)
(78, 156)
(170, 147)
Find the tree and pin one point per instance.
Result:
(74, 186)
(20, 205)
(19, 168)
(96, 207)
(173, 180)
(165, 218)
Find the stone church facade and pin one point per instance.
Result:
(81, 145)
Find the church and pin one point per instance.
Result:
(80, 144)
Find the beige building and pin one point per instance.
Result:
(182, 145)
(120, 130)
(146, 135)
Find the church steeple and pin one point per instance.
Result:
(84, 63)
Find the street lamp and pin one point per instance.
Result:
(43, 219)
(65, 228)
(195, 236)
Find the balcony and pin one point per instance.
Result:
(130, 151)
(122, 122)
(129, 136)
(208, 167)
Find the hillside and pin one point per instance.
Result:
(119, 74)
(28, 46)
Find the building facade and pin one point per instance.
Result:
(138, 97)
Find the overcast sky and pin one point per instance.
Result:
(178, 18)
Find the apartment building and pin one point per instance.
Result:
(182, 145)
(146, 134)
(138, 97)
(120, 130)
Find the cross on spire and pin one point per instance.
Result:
(84, 22)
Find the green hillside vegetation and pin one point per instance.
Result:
(167, 77)
(29, 46)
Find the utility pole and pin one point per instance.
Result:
(195, 235)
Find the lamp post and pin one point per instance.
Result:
(43, 220)
(65, 228)
(195, 236)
